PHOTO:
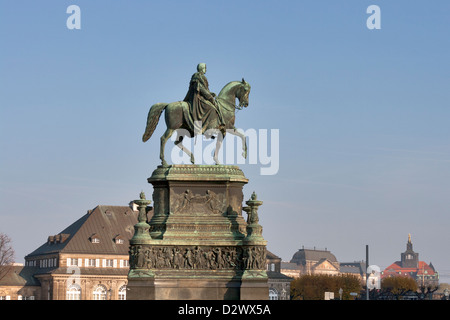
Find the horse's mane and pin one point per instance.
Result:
(228, 86)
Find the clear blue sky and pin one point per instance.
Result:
(363, 115)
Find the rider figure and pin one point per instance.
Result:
(200, 99)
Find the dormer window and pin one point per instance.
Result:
(119, 239)
(108, 213)
(59, 238)
(94, 238)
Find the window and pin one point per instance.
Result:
(119, 241)
(73, 292)
(90, 263)
(124, 264)
(74, 262)
(94, 238)
(109, 263)
(123, 293)
(273, 294)
(99, 292)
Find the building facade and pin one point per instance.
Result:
(89, 260)
(410, 266)
(86, 261)
(18, 283)
(311, 261)
(279, 284)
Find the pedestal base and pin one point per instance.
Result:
(197, 289)
(197, 248)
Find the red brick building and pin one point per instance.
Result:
(409, 265)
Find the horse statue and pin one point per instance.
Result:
(178, 116)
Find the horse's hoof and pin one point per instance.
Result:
(192, 160)
(164, 163)
(244, 154)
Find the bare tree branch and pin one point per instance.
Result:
(6, 254)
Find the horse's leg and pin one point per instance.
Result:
(164, 139)
(179, 144)
(219, 141)
(244, 142)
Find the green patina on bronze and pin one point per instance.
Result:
(197, 244)
(199, 113)
(197, 231)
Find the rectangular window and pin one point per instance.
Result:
(73, 262)
(109, 263)
(90, 262)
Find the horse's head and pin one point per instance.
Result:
(242, 93)
(236, 89)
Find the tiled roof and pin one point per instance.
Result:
(270, 255)
(423, 268)
(277, 276)
(19, 276)
(350, 269)
(303, 255)
(85, 271)
(289, 265)
(353, 267)
(105, 223)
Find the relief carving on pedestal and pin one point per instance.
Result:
(190, 203)
(198, 257)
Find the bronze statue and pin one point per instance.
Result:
(198, 106)
(201, 100)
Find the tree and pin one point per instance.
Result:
(6, 254)
(313, 287)
(398, 285)
(427, 290)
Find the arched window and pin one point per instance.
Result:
(123, 293)
(99, 292)
(73, 292)
(273, 294)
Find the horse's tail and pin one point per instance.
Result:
(152, 119)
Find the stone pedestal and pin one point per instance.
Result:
(197, 245)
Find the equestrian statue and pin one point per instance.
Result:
(201, 112)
